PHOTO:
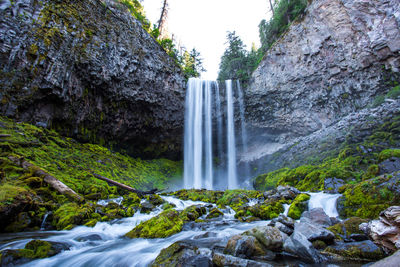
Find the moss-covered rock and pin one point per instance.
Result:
(163, 225)
(70, 215)
(363, 250)
(345, 229)
(198, 195)
(298, 206)
(192, 213)
(268, 210)
(214, 213)
(368, 198)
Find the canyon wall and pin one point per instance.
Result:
(89, 70)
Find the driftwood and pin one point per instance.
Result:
(47, 178)
(125, 187)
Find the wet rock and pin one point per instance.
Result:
(214, 213)
(332, 185)
(270, 237)
(389, 166)
(146, 207)
(183, 253)
(385, 231)
(283, 228)
(314, 232)
(316, 216)
(163, 225)
(298, 246)
(155, 199)
(348, 230)
(282, 192)
(391, 261)
(364, 250)
(222, 260)
(247, 247)
(90, 237)
(192, 213)
(35, 249)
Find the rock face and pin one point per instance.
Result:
(385, 231)
(89, 70)
(335, 61)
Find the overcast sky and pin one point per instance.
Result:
(203, 24)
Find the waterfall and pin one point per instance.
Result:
(199, 170)
(208, 137)
(243, 128)
(231, 146)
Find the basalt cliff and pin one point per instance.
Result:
(89, 70)
(335, 70)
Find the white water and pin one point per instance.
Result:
(105, 202)
(231, 145)
(208, 137)
(286, 209)
(199, 170)
(325, 201)
(110, 248)
(243, 129)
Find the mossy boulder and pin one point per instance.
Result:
(368, 198)
(348, 228)
(298, 206)
(363, 250)
(268, 210)
(163, 225)
(35, 249)
(71, 214)
(192, 213)
(198, 195)
(155, 199)
(214, 213)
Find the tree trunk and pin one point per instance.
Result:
(47, 178)
(125, 187)
(272, 7)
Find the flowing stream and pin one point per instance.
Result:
(105, 244)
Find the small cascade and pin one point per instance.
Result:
(199, 171)
(243, 128)
(325, 201)
(231, 145)
(43, 224)
(286, 209)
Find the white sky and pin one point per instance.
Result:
(203, 24)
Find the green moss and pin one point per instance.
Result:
(344, 229)
(40, 248)
(192, 213)
(269, 180)
(368, 198)
(214, 213)
(71, 214)
(298, 206)
(356, 252)
(388, 153)
(163, 225)
(72, 162)
(266, 211)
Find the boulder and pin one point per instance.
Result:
(270, 237)
(247, 247)
(348, 230)
(282, 192)
(363, 250)
(183, 253)
(163, 225)
(391, 261)
(314, 232)
(316, 216)
(214, 213)
(222, 260)
(298, 246)
(385, 231)
(390, 165)
(146, 207)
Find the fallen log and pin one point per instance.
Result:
(47, 178)
(125, 187)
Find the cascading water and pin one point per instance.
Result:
(243, 128)
(231, 145)
(198, 139)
